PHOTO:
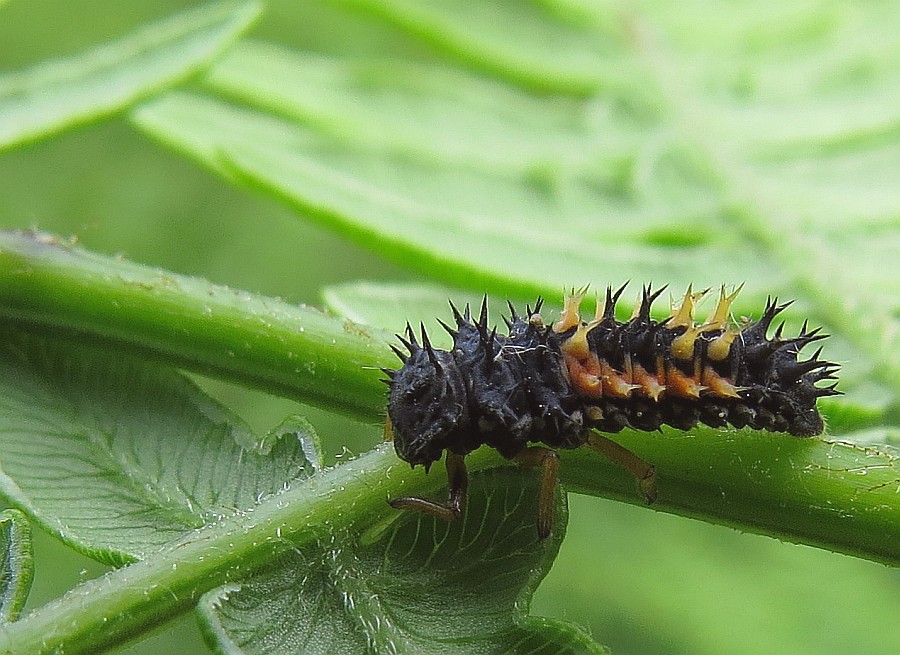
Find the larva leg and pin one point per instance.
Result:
(453, 507)
(548, 460)
(644, 472)
(388, 430)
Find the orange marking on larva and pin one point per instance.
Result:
(650, 385)
(719, 386)
(681, 385)
(592, 365)
(583, 380)
(660, 371)
(577, 345)
(582, 364)
(614, 385)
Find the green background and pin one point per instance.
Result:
(641, 582)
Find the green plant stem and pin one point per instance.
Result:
(834, 495)
(110, 610)
(290, 350)
(125, 603)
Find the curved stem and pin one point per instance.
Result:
(126, 602)
(805, 490)
(834, 495)
(290, 350)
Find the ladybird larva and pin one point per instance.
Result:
(562, 384)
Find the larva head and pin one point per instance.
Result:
(806, 420)
(427, 404)
(795, 380)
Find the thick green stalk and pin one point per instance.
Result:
(108, 611)
(285, 349)
(834, 495)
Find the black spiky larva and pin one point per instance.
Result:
(561, 384)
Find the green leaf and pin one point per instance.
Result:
(425, 586)
(55, 95)
(116, 457)
(455, 117)
(744, 158)
(414, 211)
(391, 306)
(16, 570)
(544, 46)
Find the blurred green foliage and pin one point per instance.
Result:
(641, 582)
